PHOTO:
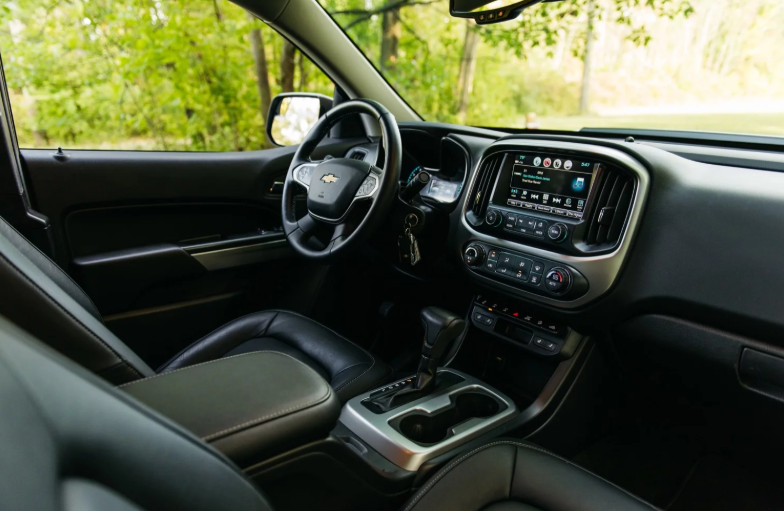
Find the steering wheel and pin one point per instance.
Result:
(336, 185)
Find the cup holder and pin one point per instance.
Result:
(431, 429)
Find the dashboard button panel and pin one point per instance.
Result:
(530, 273)
(506, 321)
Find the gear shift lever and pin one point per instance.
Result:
(441, 329)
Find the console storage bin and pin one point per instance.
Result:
(250, 407)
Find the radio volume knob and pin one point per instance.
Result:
(493, 218)
(558, 232)
(474, 255)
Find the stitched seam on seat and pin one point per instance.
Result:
(195, 343)
(201, 364)
(356, 377)
(58, 267)
(274, 415)
(526, 446)
(346, 369)
(67, 313)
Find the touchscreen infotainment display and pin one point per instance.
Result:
(548, 183)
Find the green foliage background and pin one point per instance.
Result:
(180, 75)
(138, 74)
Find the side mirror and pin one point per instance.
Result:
(292, 114)
(490, 11)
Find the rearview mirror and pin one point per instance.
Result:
(292, 114)
(489, 11)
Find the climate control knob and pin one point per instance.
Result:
(557, 280)
(474, 255)
(557, 232)
(493, 218)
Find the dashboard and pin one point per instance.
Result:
(673, 255)
(665, 228)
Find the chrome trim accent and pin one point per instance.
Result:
(372, 191)
(242, 255)
(375, 430)
(601, 270)
(295, 177)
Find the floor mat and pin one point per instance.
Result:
(715, 484)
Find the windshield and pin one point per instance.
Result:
(701, 65)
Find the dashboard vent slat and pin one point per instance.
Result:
(614, 193)
(358, 155)
(483, 187)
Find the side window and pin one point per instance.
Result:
(172, 75)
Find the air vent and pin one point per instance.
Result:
(614, 193)
(483, 187)
(357, 155)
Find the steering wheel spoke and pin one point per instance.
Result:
(303, 173)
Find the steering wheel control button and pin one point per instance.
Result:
(493, 218)
(557, 280)
(474, 255)
(368, 186)
(304, 174)
(557, 232)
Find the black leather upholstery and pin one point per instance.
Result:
(250, 406)
(38, 296)
(508, 475)
(71, 442)
(441, 329)
(347, 367)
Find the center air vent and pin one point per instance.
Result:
(614, 193)
(483, 187)
(357, 155)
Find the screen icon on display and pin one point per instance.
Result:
(537, 161)
(578, 184)
(547, 162)
(557, 164)
(568, 164)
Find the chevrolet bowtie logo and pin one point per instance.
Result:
(329, 178)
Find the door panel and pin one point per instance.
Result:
(171, 245)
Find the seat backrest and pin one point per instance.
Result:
(38, 296)
(69, 441)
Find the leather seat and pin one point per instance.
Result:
(509, 475)
(70, 441)
(349, 369)
(38, 296)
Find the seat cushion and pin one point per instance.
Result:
(509, 475)
(349, 369)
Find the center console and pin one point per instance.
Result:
(420, 417)
(413, 433)
(551, 221)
